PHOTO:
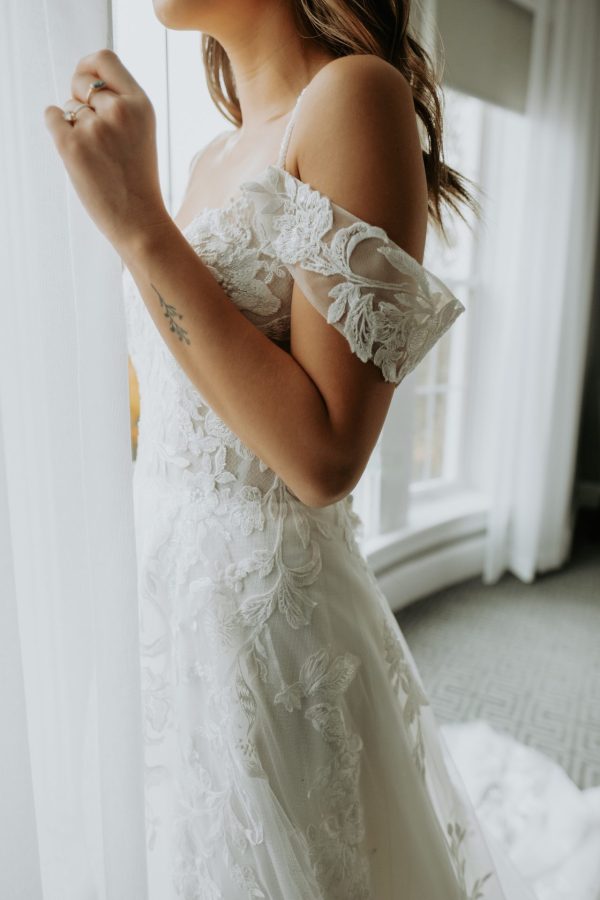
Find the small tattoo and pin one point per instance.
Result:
(171, 313)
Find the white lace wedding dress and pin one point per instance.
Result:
(290, 749)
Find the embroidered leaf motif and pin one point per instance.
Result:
(255, 610)
(324, 247)
(314, 668)
(328, 721)
(341, 294)
(457, 834)
(257, 659)
(246, 697)
(338, 677)
(301, 523)
(403, 679)
(269, 561)
(290, 696)
(293, 603)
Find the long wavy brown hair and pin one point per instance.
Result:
(381, 28)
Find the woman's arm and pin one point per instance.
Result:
(254, 386)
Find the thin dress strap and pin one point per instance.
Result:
(288, 132)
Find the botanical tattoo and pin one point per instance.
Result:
(171, 313)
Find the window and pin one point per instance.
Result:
(440, 379)
(419, 450)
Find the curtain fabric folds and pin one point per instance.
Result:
(72, 814)
(542, 274)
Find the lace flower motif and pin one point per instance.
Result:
(247, 511)
(390, 309)
(306, 216)
(408, 688)
(334, 840)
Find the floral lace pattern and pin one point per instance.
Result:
(390, 309)
(457, 834)
(409, 689)
(262, 654)
(335, 840)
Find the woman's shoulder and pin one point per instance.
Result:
(356, 75)
(357, 96)
(357, 142)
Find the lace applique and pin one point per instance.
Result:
(390, 309)
(217, 816)
(352, 528)
(406, 685)
(282, 584)
(456, 834)
(246, 877)
(334, 842)
(247, 511)
(224, 239)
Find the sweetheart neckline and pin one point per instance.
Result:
(238, 197)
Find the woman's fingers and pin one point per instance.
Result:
(99, 99)
(80, 105)
(57, 125)
(104, 64)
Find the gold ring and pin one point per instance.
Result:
(70, 115)
(94, 86)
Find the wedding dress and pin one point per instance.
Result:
(290, 749)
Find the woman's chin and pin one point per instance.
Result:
(177, 14)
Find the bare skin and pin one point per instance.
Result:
(355, 141)
(238, 155)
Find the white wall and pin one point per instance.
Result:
(486, 46)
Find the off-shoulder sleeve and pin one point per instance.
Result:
(390, 309)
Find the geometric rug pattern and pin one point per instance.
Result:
(525, 657)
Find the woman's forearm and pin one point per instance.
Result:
(255, 387)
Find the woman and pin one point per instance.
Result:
(290, 749)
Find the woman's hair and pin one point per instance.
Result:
(345, 27)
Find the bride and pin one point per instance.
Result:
(290, 749)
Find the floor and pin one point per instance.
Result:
(525, 657)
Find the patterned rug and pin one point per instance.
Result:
(524, 657)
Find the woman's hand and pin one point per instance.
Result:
(110, 151)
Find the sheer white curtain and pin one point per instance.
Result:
(71, 789)
(537, 271)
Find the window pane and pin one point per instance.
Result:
(438, 435)
(421, 442)
(439, 378)
(443, 358)
(423, 372)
